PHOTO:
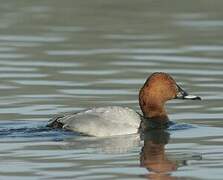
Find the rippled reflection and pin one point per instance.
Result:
(155, 158)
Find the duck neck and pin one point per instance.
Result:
(155, 110)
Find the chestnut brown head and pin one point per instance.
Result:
(159, 88)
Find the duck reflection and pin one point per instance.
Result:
(153, 155)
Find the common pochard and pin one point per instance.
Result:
(116, 120)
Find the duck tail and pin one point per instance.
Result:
(54, 123)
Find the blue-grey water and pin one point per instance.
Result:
(60, 56)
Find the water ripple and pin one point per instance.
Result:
(31, 38)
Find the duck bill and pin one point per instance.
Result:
(184, 95)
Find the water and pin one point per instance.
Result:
(58, 56)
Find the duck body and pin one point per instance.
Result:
(102, 121)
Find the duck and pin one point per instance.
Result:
(158, 88)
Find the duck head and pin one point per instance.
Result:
(157, 90)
